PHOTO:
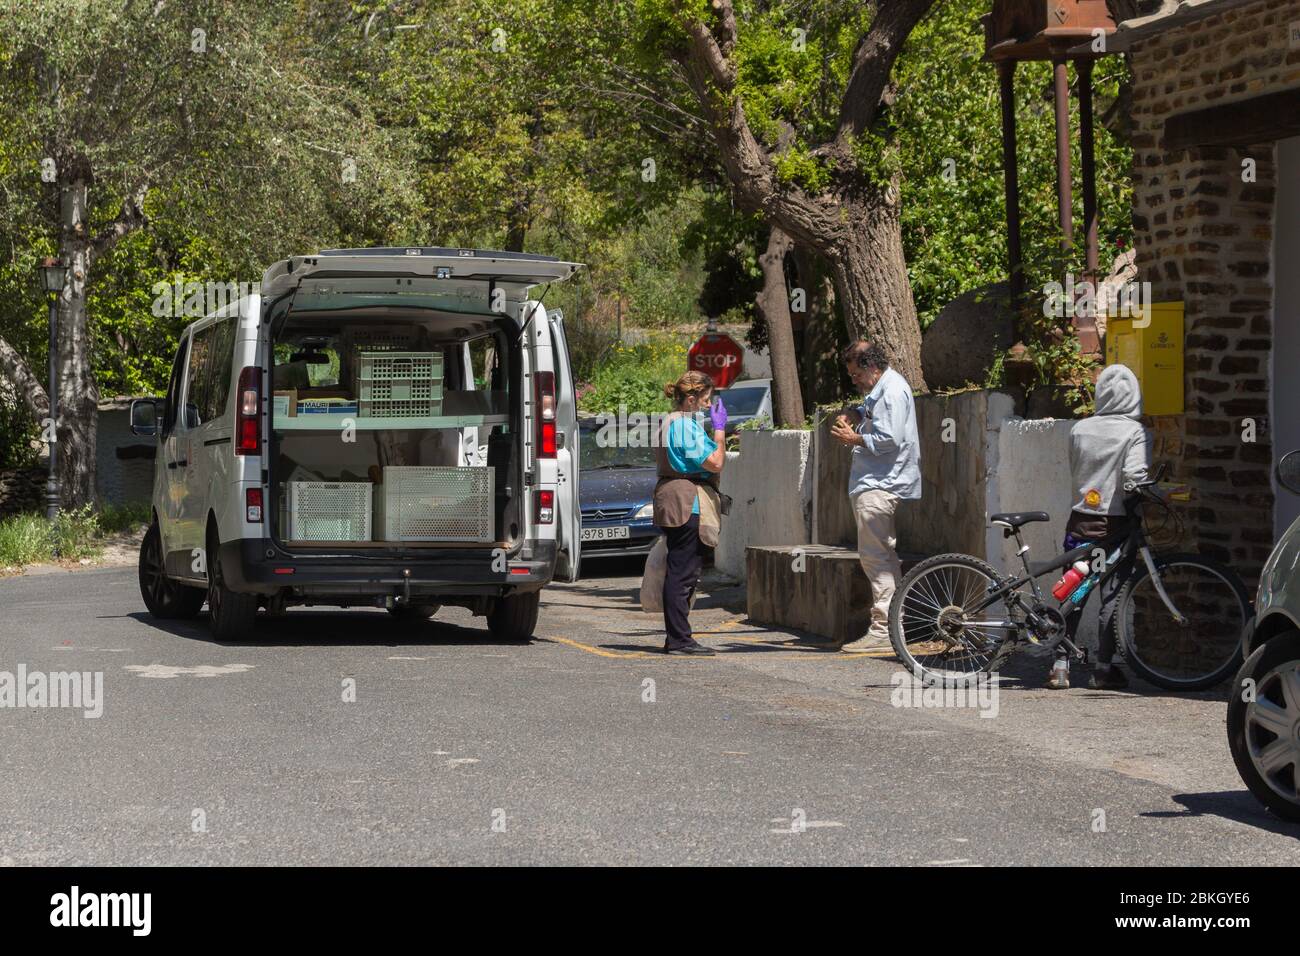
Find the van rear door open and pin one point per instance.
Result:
(391, 284)
(569, 517)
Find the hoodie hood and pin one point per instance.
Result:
(1118, 392)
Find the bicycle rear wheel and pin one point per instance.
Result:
(935, 627)
(1202, 650)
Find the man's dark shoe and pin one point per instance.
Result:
(697, 650)
(1108, 678)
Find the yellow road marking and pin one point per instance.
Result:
(600, 651)
(722, 630)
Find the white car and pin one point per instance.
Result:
(1264, 709)
(387, 427)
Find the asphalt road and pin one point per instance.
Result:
(458, 749)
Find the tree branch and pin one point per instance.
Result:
(872, 62)
(15, 371)
(711, 76)
(131, 219)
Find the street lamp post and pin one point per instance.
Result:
(53, 275)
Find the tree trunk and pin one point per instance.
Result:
(872, 286)
(773, 305)
(78, 412)
(822, 373)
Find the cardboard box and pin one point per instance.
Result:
(284, 403)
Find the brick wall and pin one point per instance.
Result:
(1204, 236)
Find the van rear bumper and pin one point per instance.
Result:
(258, 566)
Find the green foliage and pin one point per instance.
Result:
(116, 519)
(948, 108)
(17, 429)
(74, 534)
(24, 539)
(634, 376)
(30, 538)
(541, 143)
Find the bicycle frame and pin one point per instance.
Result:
(1131, 543)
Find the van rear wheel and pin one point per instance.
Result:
(230, 615)
(514, 618)
(166, 599)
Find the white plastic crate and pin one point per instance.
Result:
(435, 503)
(399, 384)
(329, 510)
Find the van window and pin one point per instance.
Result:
(170, 414)
(221, 362)
(198, 376)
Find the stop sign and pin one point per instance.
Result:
(718, 356)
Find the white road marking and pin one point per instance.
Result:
(460, 760)
(167, 671)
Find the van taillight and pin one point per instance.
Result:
(545, 394)
(253, 505)
(545, 507)
(248, 427)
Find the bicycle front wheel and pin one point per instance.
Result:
(937, 625)
(1203, 648)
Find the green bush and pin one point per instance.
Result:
(634, 376)
(30, 538)
(114, 519)
(24, 539)
(73, 534)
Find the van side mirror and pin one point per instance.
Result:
(144, 416)
(1288, 472)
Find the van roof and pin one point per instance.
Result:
(514, 272)
(439, 251)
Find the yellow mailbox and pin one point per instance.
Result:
(1152, 346)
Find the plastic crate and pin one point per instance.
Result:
(399, 384)
(435, 503)
(329, 510)
(374, 337)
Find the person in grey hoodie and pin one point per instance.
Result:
(1108, 450)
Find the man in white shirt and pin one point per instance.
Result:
(886, 469)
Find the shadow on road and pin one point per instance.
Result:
(1236, 805)
(301, 628)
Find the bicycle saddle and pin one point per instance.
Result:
(1014, 519)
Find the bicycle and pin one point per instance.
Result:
(1178, 618)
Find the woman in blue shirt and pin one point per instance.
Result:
(687, 457)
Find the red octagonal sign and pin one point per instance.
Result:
(718, 356)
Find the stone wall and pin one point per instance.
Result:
(959, 445)
(22, 489)
(770, 484)
(1204, 236)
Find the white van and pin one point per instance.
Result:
(382, 427)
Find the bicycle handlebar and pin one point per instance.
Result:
(1141, 486)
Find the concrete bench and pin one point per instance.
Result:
(817, 588)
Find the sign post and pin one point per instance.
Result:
(717, 355)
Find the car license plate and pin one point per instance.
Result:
(605, 534)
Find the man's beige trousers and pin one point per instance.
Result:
(874, 513)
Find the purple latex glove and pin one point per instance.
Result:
(718, 415)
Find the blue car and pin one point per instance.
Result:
(616, 491)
